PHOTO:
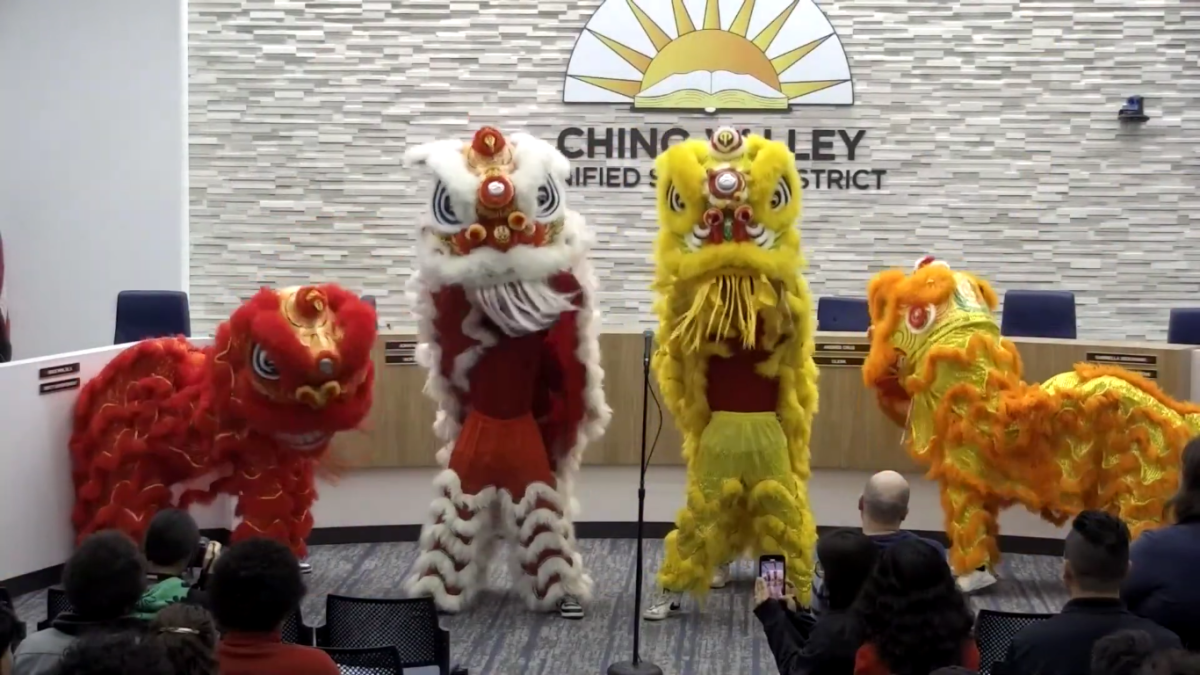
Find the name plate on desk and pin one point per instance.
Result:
(841, 354)
(1145, 365)
(400, 352)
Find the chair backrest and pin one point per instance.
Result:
(995, 630)
(1183, 328)
(1045, 314)
(295, 631)
(409, 624)
(56, 603)
(367, 661)
(142, 315)
(843, 314)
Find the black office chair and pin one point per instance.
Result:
(296, 632)
(56, 603)
(367, 661)
(1038, 314)
(142, 315)
(994, 632)
(408, 624)
(843, 314)
(1183, 327)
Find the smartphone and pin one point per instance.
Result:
(773, 570)
(197, 560)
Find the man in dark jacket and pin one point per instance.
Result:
(1096, 560)
(172, 543)
(1161, 585)
(102, 579)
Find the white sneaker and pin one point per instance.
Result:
(569, 608)
(720, 577)
(305, 568)
(662, 605)
(976, 581)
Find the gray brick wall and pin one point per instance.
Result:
(995, 121)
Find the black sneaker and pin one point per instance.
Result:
(569, 608)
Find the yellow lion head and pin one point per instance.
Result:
(909, 314)
(728, 240)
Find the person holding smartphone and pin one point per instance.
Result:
(173, 546)
(803, 643)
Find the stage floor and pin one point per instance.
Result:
(498, 637)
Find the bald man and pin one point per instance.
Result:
(884, 506)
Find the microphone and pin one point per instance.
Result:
(648, 335)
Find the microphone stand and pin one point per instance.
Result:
(637, 666)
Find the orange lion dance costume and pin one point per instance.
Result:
(1097, 437)
(508, 332)
(254, 412)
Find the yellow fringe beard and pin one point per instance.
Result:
(730, 306)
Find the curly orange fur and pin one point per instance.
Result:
(165, 415)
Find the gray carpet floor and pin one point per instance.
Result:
(499, 637)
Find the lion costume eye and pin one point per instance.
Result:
(674, 199)
(444, 216)
(262, 364)
(919, 319)
(548, 200)
(782, 196)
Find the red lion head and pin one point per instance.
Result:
(295, 364)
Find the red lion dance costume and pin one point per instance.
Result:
(508, 331)
(253, 414)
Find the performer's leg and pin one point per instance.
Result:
(972, 528)
(300, 524)
(711, 530)
(547, 566)
(265, 508)
(783, 523)
(449, 567)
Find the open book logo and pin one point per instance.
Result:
(709, 55)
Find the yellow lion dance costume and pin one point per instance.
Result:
(1098, 437)
(734, 359)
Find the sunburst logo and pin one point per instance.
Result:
(709, 55)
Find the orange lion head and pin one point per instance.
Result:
(297, 364)
(909, 314)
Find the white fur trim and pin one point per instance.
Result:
(597, 414)
(516, 522)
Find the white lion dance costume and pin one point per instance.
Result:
(735, 359)
(508, 332)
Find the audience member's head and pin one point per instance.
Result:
(1122, 653)
(120, 653)
(8, 633)
(255, 585)
(189, 636)
(884, 502)
(171, 541)
(1185, 505)
(1096, 555)
(1173, 662)
(847, 558)
(912, 612)
(105, 577)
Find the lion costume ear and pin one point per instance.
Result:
(878, 292)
